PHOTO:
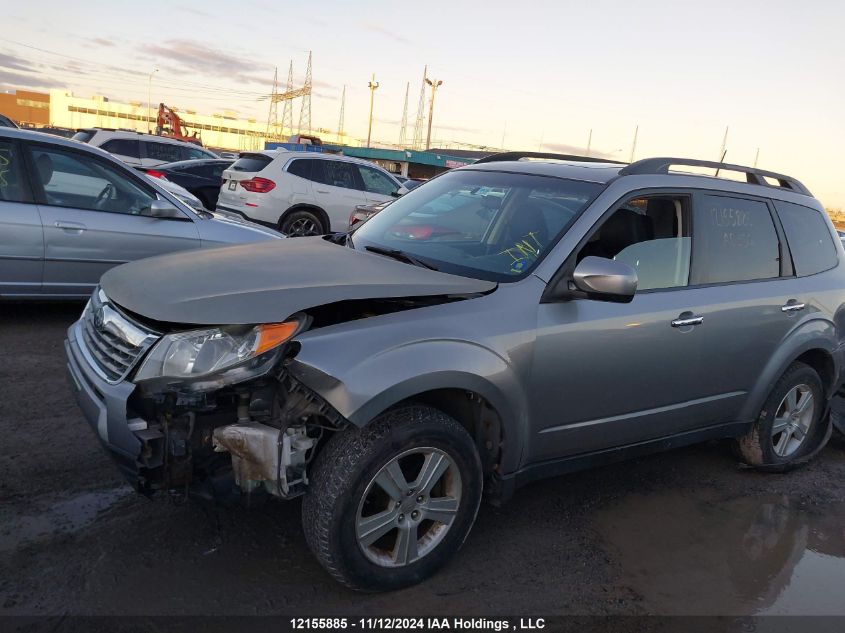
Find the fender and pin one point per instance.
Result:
(813, 334)
(363, 390)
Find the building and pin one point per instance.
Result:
(26, 108)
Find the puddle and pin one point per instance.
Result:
(67, 515)
(699, 555)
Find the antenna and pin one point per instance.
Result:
(305, 111)
(342, 109)
(418, 124)
(634, 144)
(403, 128)
(589, 141)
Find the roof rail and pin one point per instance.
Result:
(495, 158)
(753, 175)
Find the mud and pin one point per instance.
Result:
(686, 532)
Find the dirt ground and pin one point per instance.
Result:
(686, 532)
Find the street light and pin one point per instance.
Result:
(372, 86)
(149, 99)
(435, 84)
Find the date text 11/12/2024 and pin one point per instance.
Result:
(418, 624)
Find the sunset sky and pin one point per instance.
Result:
(536, 74)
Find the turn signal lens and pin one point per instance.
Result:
(273, 334)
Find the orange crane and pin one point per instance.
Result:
(170, 125)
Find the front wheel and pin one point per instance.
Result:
(390, 504)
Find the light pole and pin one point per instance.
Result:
(435, 84)
(372, 86)
(149, 99)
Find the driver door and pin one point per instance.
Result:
(90, 211)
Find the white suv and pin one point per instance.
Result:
(141, 150)
(303, 193)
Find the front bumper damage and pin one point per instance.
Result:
(238, 442)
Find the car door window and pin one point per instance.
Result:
(165, 152)
(735, 240)
(71, 179)
(652, 235)
(302, 168)
(192, 153)
(808, 235)
(13, 185)
(338, 174)
(376, 182)
(123, 147)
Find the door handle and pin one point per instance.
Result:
(792, 306)
(322, 191)
(684, 321)
(70, 226)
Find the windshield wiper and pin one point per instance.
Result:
(402, 256)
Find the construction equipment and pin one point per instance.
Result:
(170, 125)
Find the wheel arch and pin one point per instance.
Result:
(304, 206)
(814, 343)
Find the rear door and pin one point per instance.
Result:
(378, 186)
(21, 234)
(155, 153)
(90, 208)
(338, 189)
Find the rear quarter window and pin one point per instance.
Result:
(809, 238)
(251, 163)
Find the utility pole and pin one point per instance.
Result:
(418, 123)
(589, 141)
(403, 127)
(634, 144)
(149, 100)
(342, 108)
(372, 86)
(305, 108)
(273, 114)
(435, 84)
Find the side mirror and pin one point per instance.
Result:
(605, 280)
(164, 210)
(400, 192)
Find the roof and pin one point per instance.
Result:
(591, 172)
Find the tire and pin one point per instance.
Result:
(343, 494)
(764, 446)
(301, 223)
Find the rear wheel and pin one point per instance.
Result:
(787, 428)
(301, 223)
(390, 504)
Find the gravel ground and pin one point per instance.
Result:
(684, 532)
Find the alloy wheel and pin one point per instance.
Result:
(793, 418)
(302, 227)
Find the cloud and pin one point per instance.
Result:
(453, 128)
(102, 41)
(12, 62)
(17, 80)
(577, 150)
(386, 32)
(195, 56)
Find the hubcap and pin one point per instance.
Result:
(792, 421)
(302, 227)
(408, 507)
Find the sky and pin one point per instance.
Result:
(523, 75)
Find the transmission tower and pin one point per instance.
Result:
(287, 112)
(403, 130)
(342, 109)
(305, 112)
(418, 124)
(273, 114)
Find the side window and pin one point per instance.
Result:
(13, 185)
(652, 235)
(338, 173)
(123, 147)
(376, 182)
(165, 152)
(735, 240)
(69, 179)
(810, 243)
(302, 168)
(192, 153)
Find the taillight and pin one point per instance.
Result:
(258, 185)
(156, 174)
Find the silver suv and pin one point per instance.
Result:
(141, 150)
(519, 318)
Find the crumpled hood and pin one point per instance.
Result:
(268, 281)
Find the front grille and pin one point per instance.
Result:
(113, 343)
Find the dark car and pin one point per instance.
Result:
(202, 177)
(6, 121)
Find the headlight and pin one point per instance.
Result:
(201, 353)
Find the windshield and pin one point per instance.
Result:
(489, 225)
